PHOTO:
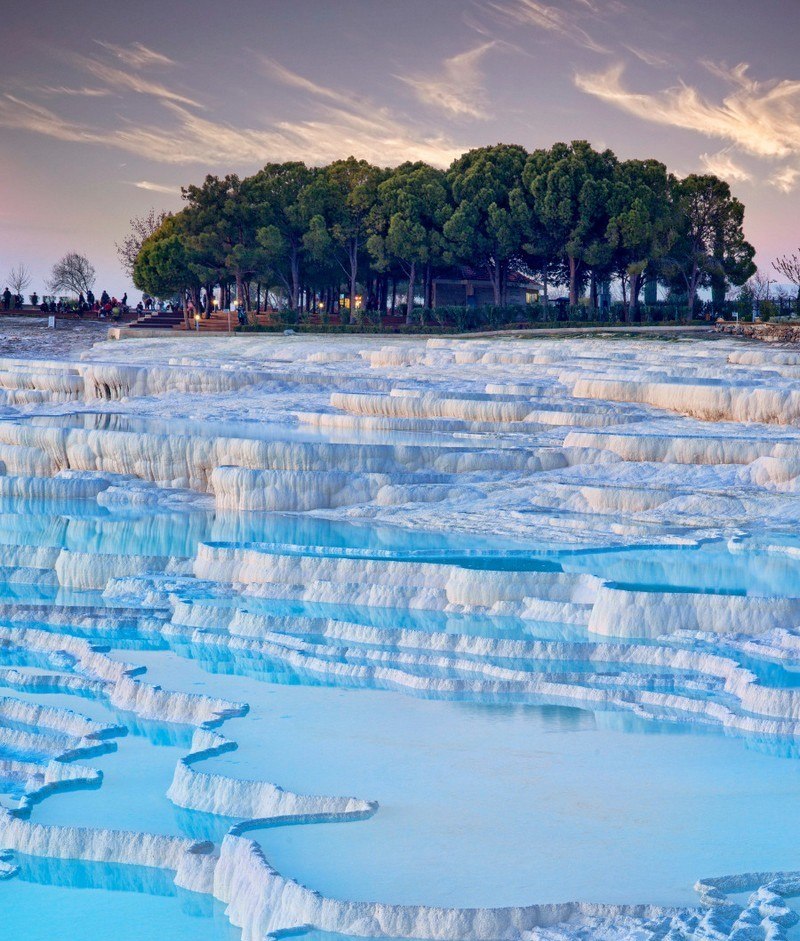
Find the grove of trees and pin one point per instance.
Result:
(568, 215)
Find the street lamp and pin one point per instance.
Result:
(197, 321)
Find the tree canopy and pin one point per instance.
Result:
(163, 266)
(492, 216)
(407, 222)
(710, 249)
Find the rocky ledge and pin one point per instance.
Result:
(768, 332)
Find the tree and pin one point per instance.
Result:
(758, 287)
(571, 185)
(338, 204)
(789, 267)
(710, 249)
(491, 217)
(141, 228)
(73, 273)
(164, 263)
(642, 225)
(756, 294)
(282, 221)
(223, 229)
(19, 278)
(407, 221)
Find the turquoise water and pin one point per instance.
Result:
(481, 803)
(70, 900)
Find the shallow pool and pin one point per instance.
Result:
(484, 800)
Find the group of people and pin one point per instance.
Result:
(149, 304)
(106, 308)
(12, 301)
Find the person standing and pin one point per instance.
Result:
(6, 299)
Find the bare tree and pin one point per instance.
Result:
(758, 287)
(789, 267)
(73, 273)
(142, 227)
(19, 278)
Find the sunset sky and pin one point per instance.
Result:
(106, 108)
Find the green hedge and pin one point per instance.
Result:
(490, 317)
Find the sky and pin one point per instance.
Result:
(108, 107)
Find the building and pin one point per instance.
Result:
(465, 289)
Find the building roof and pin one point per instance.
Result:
(466, 275)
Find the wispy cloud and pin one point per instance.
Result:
(156, 187)
(785, 179)
(137, 55)
(722, 164)
(761, 118)
(458, 90)
(280, 73)
(29, 116)
(338, 124)
(563, 19)
(130, 81)
(648, 57)
(343, 123)
(84, 92)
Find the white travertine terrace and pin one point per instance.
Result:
(566, 445)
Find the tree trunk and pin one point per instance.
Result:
(633, 306)
(381, 297)
(412, 271)
(426, 300)
(593, 291)
(394, 296)
(295, 280)
(494, 277)
(573, 281)
(692, 287)
(353, 275)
